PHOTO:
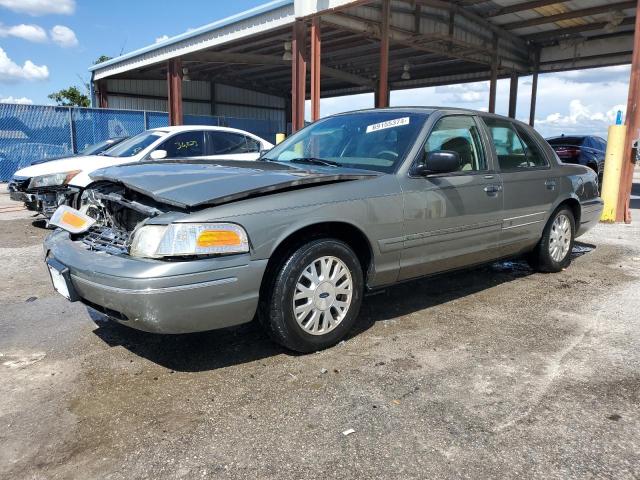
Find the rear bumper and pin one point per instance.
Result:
(590, 213)
(159, 296)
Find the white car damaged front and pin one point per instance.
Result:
(46, 186)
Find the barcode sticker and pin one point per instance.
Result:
(397, 122)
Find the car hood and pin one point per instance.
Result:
(201, 183)
(88, 162)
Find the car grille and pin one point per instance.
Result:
(105, 239)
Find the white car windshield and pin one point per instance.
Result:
(133, 145)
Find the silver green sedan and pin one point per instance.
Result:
(354, 202)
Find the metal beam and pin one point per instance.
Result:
(298, 75)
(571, 14)
(633, 129)
(513, 95)
(521, 7)
(534, 89)
(174, 89)
(315, 69)
(552, 35)
(383, 73)
(493, 83)
(475, 18)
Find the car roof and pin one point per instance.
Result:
(189, 128)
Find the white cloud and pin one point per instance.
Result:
(32, 33)
(12, 72)
(40, 7)
(162, 38)
(581, 119)
(20, 100)
(63, 36)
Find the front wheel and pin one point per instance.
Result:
(315, 296)
(553, 252)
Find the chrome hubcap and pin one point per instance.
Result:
(560, 238)
(323, 295)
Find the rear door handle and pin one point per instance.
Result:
(491, 189)
(550, 184)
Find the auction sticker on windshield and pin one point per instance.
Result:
(396, 122)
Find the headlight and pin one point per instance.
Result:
(182, 239)
(53, 179)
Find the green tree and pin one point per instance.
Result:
(70, 97)
(102, 58)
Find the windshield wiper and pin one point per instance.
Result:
(316, 161)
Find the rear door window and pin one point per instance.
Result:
(184, 144)
(515, 148)
(228, 143)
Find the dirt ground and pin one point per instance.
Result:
(496, 372)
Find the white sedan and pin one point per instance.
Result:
(45, 186)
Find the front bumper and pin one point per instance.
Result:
(44, 201)
(161, 296)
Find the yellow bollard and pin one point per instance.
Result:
(612, 172)
(280, 137)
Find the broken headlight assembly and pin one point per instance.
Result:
(52, 180)
(188, 239)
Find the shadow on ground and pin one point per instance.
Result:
(248, 343)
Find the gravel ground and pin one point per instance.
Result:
(487, 373)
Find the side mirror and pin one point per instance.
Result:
(263, 151)
(158, 155)
(439, 161)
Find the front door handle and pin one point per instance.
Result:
(550, 184)
(493, 189)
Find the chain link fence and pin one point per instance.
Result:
(34, 132)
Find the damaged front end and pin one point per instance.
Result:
(43, 200)
(118, 213)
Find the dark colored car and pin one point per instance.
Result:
(587, 150)
(353, 202)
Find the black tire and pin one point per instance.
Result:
(276, 312)
(540, 258)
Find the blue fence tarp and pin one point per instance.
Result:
(34, 132)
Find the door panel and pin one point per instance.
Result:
(530, 189)
(450, 222)
(453, 219)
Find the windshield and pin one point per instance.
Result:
(98, 147)
(377, 140)
(133, 145)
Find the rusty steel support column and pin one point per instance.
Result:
(382, 97)
(633, 128)
(174, 84)
(298, 75)
(493, 82)
(534, 89)
(513, 95)
(315, 69)
(101, 93)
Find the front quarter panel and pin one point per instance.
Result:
(373, 206)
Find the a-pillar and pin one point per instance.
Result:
(174, 84)
(298, 75)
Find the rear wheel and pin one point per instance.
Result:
(553, 252)
(314, 298)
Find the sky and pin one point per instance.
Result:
(47, 45)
